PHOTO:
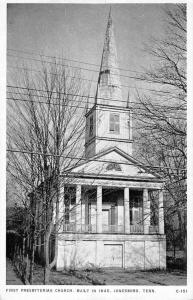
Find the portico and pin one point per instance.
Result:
(101, 209)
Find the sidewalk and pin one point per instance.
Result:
(11, 276)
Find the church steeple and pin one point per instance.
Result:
(109, 85)
(108, 122)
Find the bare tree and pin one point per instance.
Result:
(44, 136)
(162, 122)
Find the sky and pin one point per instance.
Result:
(77, 31)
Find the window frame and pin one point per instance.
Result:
(114, 125)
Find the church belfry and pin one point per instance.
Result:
(108, 122)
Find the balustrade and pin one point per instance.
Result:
(136, 228)
(90, 228)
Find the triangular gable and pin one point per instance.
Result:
(114, 162)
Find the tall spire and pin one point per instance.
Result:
(109, 86)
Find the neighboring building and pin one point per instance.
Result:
(110, 220)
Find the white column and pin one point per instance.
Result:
(78, 208)
(99, 210)
(86, 210)
(146, 211)
(83, 212)
(126, 210)
(161, 213)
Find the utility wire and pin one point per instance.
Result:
(80, 78)
(72, 60)
(78, 95)
(64, 65)
(92, 159)
(91, 80)
(166, 107)
(77, 106)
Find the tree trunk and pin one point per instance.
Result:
(47, 256)
(46, 275)
(181, 229)
(23, 248)
(32, 263)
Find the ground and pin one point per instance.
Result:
(114, 277)
(11, 277)
(107, 276)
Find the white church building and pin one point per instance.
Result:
(110, 219)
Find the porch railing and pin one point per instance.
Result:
(90, 228)
(113, 228)
(136, 229)
(72, 227)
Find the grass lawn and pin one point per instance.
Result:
(111, 276)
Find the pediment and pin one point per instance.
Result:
(114, 162)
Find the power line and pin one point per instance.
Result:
(92, 159)
(42, 102)
(72, 60)
(77, 106)
(80, 78)
(78, 95)
(64, 65)
(90, 80)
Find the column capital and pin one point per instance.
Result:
(99, 187)
(145, 191)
